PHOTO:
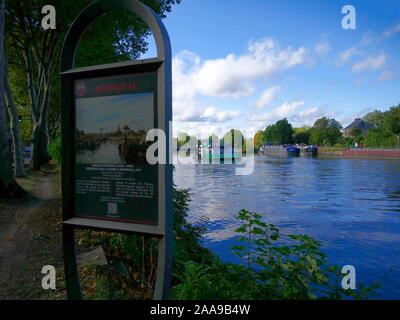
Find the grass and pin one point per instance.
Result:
(27, 183)
(330, 149)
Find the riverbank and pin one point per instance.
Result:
(360, 153)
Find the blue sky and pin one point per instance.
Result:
(246, 64)
(109, 112)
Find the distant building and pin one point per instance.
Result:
(125, 128)
(357, 123)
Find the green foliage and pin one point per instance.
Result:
(259, 139)
(187, 245)
(386, 129)
(379, 137)
(302, 135)
(374, 117)
(326, 132)
(231, 138)
(18, 86)
(348, 141)
(54, 149)
(279, 133)
(115, 36)
(214, 281)
(391, 120)
(273, 267)
(355, 132)
(131, 272)
(183, 137)
(213, 137)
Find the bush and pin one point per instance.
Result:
(273, 266)
(270, 269)
(54, 150)
(378, 137)
(131, 272)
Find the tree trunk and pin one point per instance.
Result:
(15, 130)
(8, 186)
(39, 143)
(39, 106)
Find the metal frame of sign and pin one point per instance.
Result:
(161, 65)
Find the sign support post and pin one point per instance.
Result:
(93, 195)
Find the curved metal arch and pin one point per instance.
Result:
(78, 27)
(100, 7)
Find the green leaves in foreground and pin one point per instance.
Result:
(274, 267)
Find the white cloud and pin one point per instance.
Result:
(294, 112)
(392, 30)
(233, 75)
(346, 55)
(266, 97)
(387, 75)
(213, 114)
(370, 64)
(200, 130)
(283, 111)
(191, 110)
(322, 48)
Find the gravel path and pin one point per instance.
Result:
(29, 239)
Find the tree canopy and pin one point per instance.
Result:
(374, 117)
(326, 131)
(386, 130)
(279, 133)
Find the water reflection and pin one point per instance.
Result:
(351, 205)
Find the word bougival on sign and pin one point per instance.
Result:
(130, 85)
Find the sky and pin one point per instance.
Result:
(106, 114)
(246, 64)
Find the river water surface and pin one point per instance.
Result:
(352, 206)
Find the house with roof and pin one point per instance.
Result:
(357, 123)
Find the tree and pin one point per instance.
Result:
(374, 117)
(284, 131)
(355, 132)
(270, 135)
(301, 135)
(14, 126)
(36, 52)
(259, 139)
(391, 120)
(183, 137)
(326, 131)
(213, 138)
(231, 138)
(378, 137)
(279, 133)
(8, 185)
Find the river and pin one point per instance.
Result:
(106, 152)
(352, 206)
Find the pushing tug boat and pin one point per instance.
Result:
(279, 151)
(311, 150)
(218, 153)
